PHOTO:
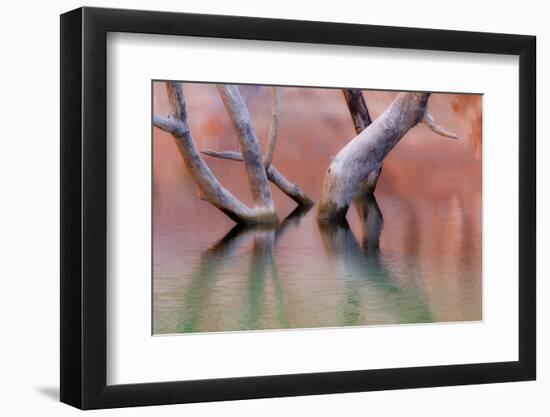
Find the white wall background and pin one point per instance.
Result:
(29, 226)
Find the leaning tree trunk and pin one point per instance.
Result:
(364, 154)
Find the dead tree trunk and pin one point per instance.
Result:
(357, 109)
(365, 153)
(209, 187)
(361, 120)
(290, 189)
(250, 146)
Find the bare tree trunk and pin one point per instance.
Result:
(209, 187)
(365, 153)
(250, 146)
(357, 108)
(361, 120)
(290, 189)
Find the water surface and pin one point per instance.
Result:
(412, 254)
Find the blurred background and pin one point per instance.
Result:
(425, 267)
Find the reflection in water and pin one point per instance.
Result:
(418, 262)
(372, 221)
(360, 267)
(262, 261)
(363, 268)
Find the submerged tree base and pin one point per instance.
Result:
(358, 164)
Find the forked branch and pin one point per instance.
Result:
(250, 146)
(290, 189)
(365, 153)
(210, 189)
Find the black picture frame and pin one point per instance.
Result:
(84, 207)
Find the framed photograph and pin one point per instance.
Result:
(257, 208)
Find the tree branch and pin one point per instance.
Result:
(165, 123)
(231, 155)
(360, 116)
(290, 189)
(209, 187)
(358, 109)
(177, 102)
(250, 146)
(273, 129)
(429, 121)
(365, 153)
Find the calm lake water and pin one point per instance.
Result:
(410, 255)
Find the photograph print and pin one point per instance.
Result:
(293, 207)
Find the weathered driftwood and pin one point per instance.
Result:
(209, 187)
(361, 120)
(365, 153)
(290, 189)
